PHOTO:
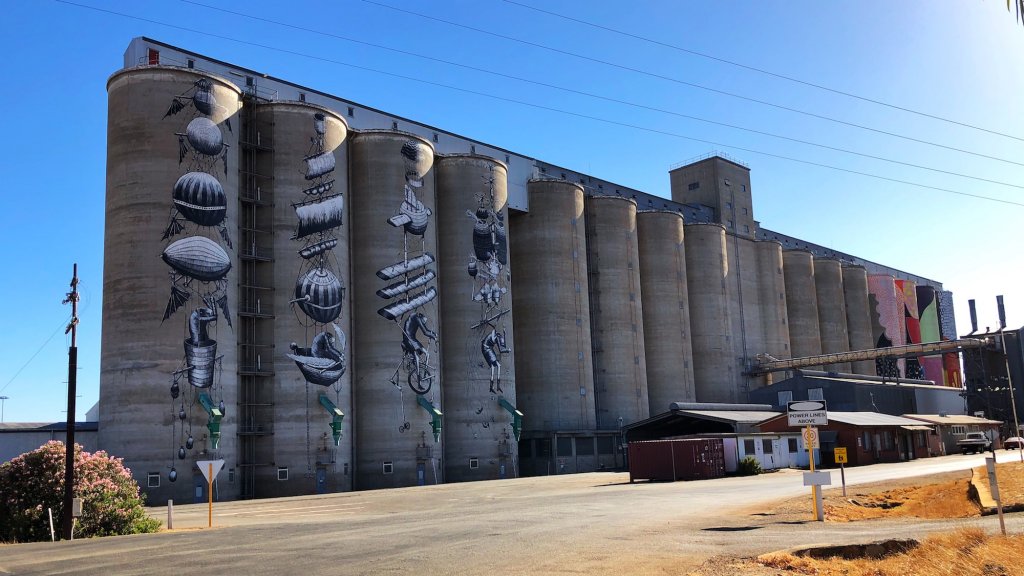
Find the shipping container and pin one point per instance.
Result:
(689, 459)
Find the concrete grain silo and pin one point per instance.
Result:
(801, 303)
(828, 283)
(397, 372)
(927, 307)
(888, 325)
(858, 315)
(616, 312)
(168, 347)
(772, 286)
(666, 309)
(476, 318)
(554, 366)
(310, 247)
(715, 374)
(744, 292)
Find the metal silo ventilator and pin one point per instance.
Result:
(517, 417)
(336, 417)
(215, 416)
(435, 416)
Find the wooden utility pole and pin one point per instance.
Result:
(67, 518)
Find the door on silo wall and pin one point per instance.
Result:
(607, 459)
(565, 460)
(586, 454)
(199, 489)
(321, 480)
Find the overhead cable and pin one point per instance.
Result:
(533, 105)
(686, 83)
(604, 98)
(758, 70)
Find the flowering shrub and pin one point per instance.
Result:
(34, 481)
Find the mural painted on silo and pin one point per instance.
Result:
(406, 299)
(319, 293)
(887, 321)
(947, 328)
(927, 307)
(199, 267)
(906, 294)
(487, 268)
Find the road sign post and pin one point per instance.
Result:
(210, 469)
(809, 413)
(840, 456)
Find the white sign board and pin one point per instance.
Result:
(210, 472)
(807, 413)
(817, 478)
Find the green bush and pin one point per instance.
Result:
(34, 482)
(749, 466)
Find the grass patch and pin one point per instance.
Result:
(942, 500)
(965, 552)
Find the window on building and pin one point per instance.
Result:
(693, 186)
(474, 463)
(154, 57)
(565, 446)
(746, 229)
(351, 111)
(730, 224)
(766, 445)
(434, 137)
(585, 446)
(921, 439)
(867, 440)
(793, 445)
(728, 205)
(815, 394)
(394, 125)
(743, 187)
(302, 96)
(605, 445)
(282, 473)
(153, 480)
(191, 63)
(785, 397)
(231, 475)
(748, 446)
(958, 430)
(388, 468)
(544, 448)
(887, 440)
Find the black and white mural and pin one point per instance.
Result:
(490, 280)
(412, 280)
(319, 293)
(198, 266)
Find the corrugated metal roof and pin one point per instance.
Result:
(915, 427)
(870, 419)
(950, 419)
(748, 416)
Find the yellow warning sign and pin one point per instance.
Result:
(840, 455)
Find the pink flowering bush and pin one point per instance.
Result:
(34, 481)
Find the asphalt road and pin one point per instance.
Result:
(595, 523)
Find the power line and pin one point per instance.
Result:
(600, 97)
(686, 83)
(62, 325)
(758, 70)
(533, 105)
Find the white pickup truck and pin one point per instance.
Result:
(974, 442)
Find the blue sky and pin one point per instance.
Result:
(957, 60)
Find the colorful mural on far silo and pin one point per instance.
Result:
(906, 293)
(199, 266)
(888, 322)
(952, 375)
(928, 312)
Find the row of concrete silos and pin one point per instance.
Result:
(336, 326)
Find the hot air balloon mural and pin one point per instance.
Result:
(319, 293)
(414, 288)
(198, 264)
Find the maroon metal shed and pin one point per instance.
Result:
(683, 459)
